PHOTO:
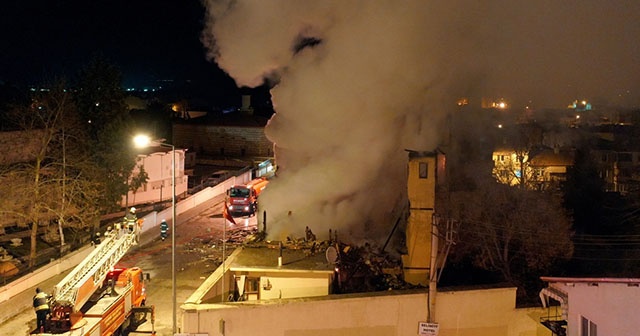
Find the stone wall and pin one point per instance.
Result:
(227, 141)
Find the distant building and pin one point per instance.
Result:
(540, 169)
(549, 168)
(157, 163)
(617, 158)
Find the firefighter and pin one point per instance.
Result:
(41, 306)
(96, 239)
(131, 219)
(164, 227)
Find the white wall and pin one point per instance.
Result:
(159, 169)
(292, 287)
(460, 313)
(609, 305)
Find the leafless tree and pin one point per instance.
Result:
(513, 231)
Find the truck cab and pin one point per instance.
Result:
(241, 200)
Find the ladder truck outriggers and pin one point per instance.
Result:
(96, 299)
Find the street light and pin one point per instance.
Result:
(142, 141)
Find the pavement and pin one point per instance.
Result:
(197, 254)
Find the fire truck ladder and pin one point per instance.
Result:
(78, 286)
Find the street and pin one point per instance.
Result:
(198, 253)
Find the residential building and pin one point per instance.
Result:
(549, 168)
(591, 306)
(157, 163)
(540, 169)
(617, 158)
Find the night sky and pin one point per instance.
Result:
(149, 40)
(547, 51)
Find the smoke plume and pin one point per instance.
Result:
(355, 83)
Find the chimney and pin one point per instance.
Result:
(246, 104)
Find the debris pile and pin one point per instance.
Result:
(358, 268)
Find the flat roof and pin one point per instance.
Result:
(265, 257)
(591, 280)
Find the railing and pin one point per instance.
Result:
(555, 323)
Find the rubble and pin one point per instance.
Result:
(358, 268)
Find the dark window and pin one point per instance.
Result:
(587, 327)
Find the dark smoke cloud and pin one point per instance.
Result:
(360, 81)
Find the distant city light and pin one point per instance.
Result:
(583, 105)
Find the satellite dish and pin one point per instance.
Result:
(331, 254)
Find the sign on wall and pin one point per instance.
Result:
(428, 329)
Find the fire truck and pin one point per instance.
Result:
(242, 200)
(98, 299)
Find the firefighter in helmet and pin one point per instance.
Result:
(164, 227)
(41, 306)
(131, 219)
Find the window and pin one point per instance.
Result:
(587, 327)
(424, 172)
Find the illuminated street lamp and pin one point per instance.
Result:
(142, 141)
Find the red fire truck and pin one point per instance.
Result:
(97, 299)
(242, 200)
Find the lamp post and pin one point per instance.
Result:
(142, 141)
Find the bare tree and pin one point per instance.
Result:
(513, 231)
(48, 186)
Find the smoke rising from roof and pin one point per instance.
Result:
(352, 84)
(357, 82)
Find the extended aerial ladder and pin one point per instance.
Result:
(78, 286)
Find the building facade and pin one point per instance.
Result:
(591, 306)
(157, 164)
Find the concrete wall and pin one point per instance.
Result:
(461, 313)
(21, 286)
(281, 287)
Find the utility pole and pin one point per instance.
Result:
(433, 272)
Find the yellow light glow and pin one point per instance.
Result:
(141, 141)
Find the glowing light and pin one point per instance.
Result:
(141, 141)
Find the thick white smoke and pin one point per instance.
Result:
(358, 82)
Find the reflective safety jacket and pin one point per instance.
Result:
(40, 301)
